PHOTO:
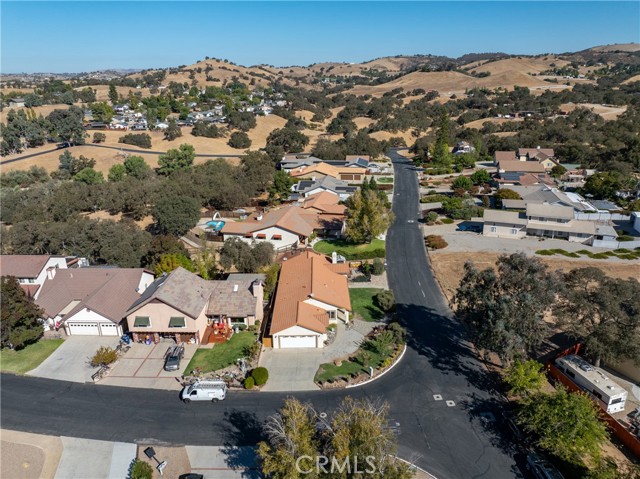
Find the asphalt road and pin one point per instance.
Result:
(452, 441)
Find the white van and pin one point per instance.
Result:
(213, 390)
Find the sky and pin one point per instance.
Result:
(58, 36)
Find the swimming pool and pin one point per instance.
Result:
(215, 225)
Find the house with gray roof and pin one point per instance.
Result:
(306, 188)
(31, 270)
(186, 308)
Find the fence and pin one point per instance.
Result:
(615, 244)
(602, 216)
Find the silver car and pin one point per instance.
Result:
(172, 358)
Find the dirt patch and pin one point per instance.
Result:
(21, 461)
(176, 457)
(606, 112)
(449, 267)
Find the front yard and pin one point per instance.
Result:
(351, 251)
(223, 354)
(29, 358)
(363, 304)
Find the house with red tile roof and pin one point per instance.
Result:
(310, 296)
(318, 171)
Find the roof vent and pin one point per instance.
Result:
(259, 217)
(235, 288)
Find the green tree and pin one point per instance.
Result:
(480, 177)
(257, 171)
(607, 468)
(243, 121)
(72, 165)
(99, 137)
(441, 156)
(173, 131)
(141, 140)
(566, 423)
(19, 320)
(161, 245)
(505, 194)
(602, 312)
(170, 261)
(289, 139)
(420, 149)
(113, 94)
(524, 377)
(367, 216)
(137, 167)
(67, 125)
(245, 257)
(89, 176)
(239, 139)
(280, 189)
(505, 309)
(462, 182)
(603, 185)
(175, 215)
(176, 159)
(558, 170)
(102, 112)
(117, 173)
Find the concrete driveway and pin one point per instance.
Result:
(70, 362)
(143, 367)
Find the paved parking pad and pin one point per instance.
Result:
(223, 462)
(89, 459)
(70, 362)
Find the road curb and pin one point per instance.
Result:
(417, 468)
(383, 372)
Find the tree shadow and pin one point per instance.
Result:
(242, 430)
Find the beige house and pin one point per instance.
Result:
(504, 224)
(184, 307)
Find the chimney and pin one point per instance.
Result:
(51, 272)
(537, 147)
(334, 257)
(259, 217)
(256, 289)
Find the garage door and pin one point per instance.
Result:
(108, 329)
(84, 329)
(297, 341)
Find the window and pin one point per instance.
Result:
(616, 401)
(142, 322)
(493, 229)
(177, 322)
(261, 236)
(276, 237)
(332, 314)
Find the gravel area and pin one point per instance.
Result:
(176, 457)
(376, 282)
(21, 461)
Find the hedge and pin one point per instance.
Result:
(260, 376)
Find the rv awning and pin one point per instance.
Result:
(142, 322)
(177, 322)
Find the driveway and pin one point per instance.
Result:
(70, 362)
(143, 367)
(294, 369)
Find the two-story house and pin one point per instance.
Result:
(31, 270)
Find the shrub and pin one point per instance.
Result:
(431, 216)
(436, 242)
(447, 221)
(104, 356)
(385, 300)
(137, 139)
(239, 139)
(625, 238)
(260, 376)
(361, 279)
(99, 137)
(141, 470)
(545, 252)
(378, 267)
(398, 332)
(249, 383)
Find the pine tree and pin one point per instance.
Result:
(19, 325)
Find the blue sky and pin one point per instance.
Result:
(58, 36)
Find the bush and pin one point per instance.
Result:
(249, 383)
(239, 139)
(385, 300)
(398, 331)
(99, 137)
(141, 470)
(431, 216)
(260, 376)
(378, 267)
(625, 238)
(545, 252)
(104, 356)
(436, 242)
(137, 139)
(361, 279)
(447, 221)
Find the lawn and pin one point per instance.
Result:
(29, 358)
(375, 249)
(362, 303)
(385, 179)
(221, 355)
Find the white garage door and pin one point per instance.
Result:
(84, 329)
(108, 329)
(297, 341)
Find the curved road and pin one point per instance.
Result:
(450, 440)
(128, 150)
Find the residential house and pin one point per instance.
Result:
(323, 203)
(575, 178)
(544, 156)
(319, 170)
(310, 296)
(542, 194)
(31, 270)
(293, 162)
(515, 172)
(16, 103)
(286, 227)
(544, 220)
(91, 301)
(306, 188)
(186, 308)
(463, 147)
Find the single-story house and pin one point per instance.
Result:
(307, 188)
(16, 102)
(323, 203)
(322, 169)
(91, 301)
(184, 307)
(288, 226)
(31, 270)
(310, 296)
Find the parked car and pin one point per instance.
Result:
(212, 390)
(172, 357)
(542, 468)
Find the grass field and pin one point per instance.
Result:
(349, 250)
(362, 303)
(221, 355)
(29, 358)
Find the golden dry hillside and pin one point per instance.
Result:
(620, 47)
(517, 65)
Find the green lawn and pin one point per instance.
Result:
(348, 250)
(363, 304)
(221, 355)
(29, 358)
(385, 179)
(328, 371)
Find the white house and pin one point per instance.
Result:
(30, 270)
(311, 295)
